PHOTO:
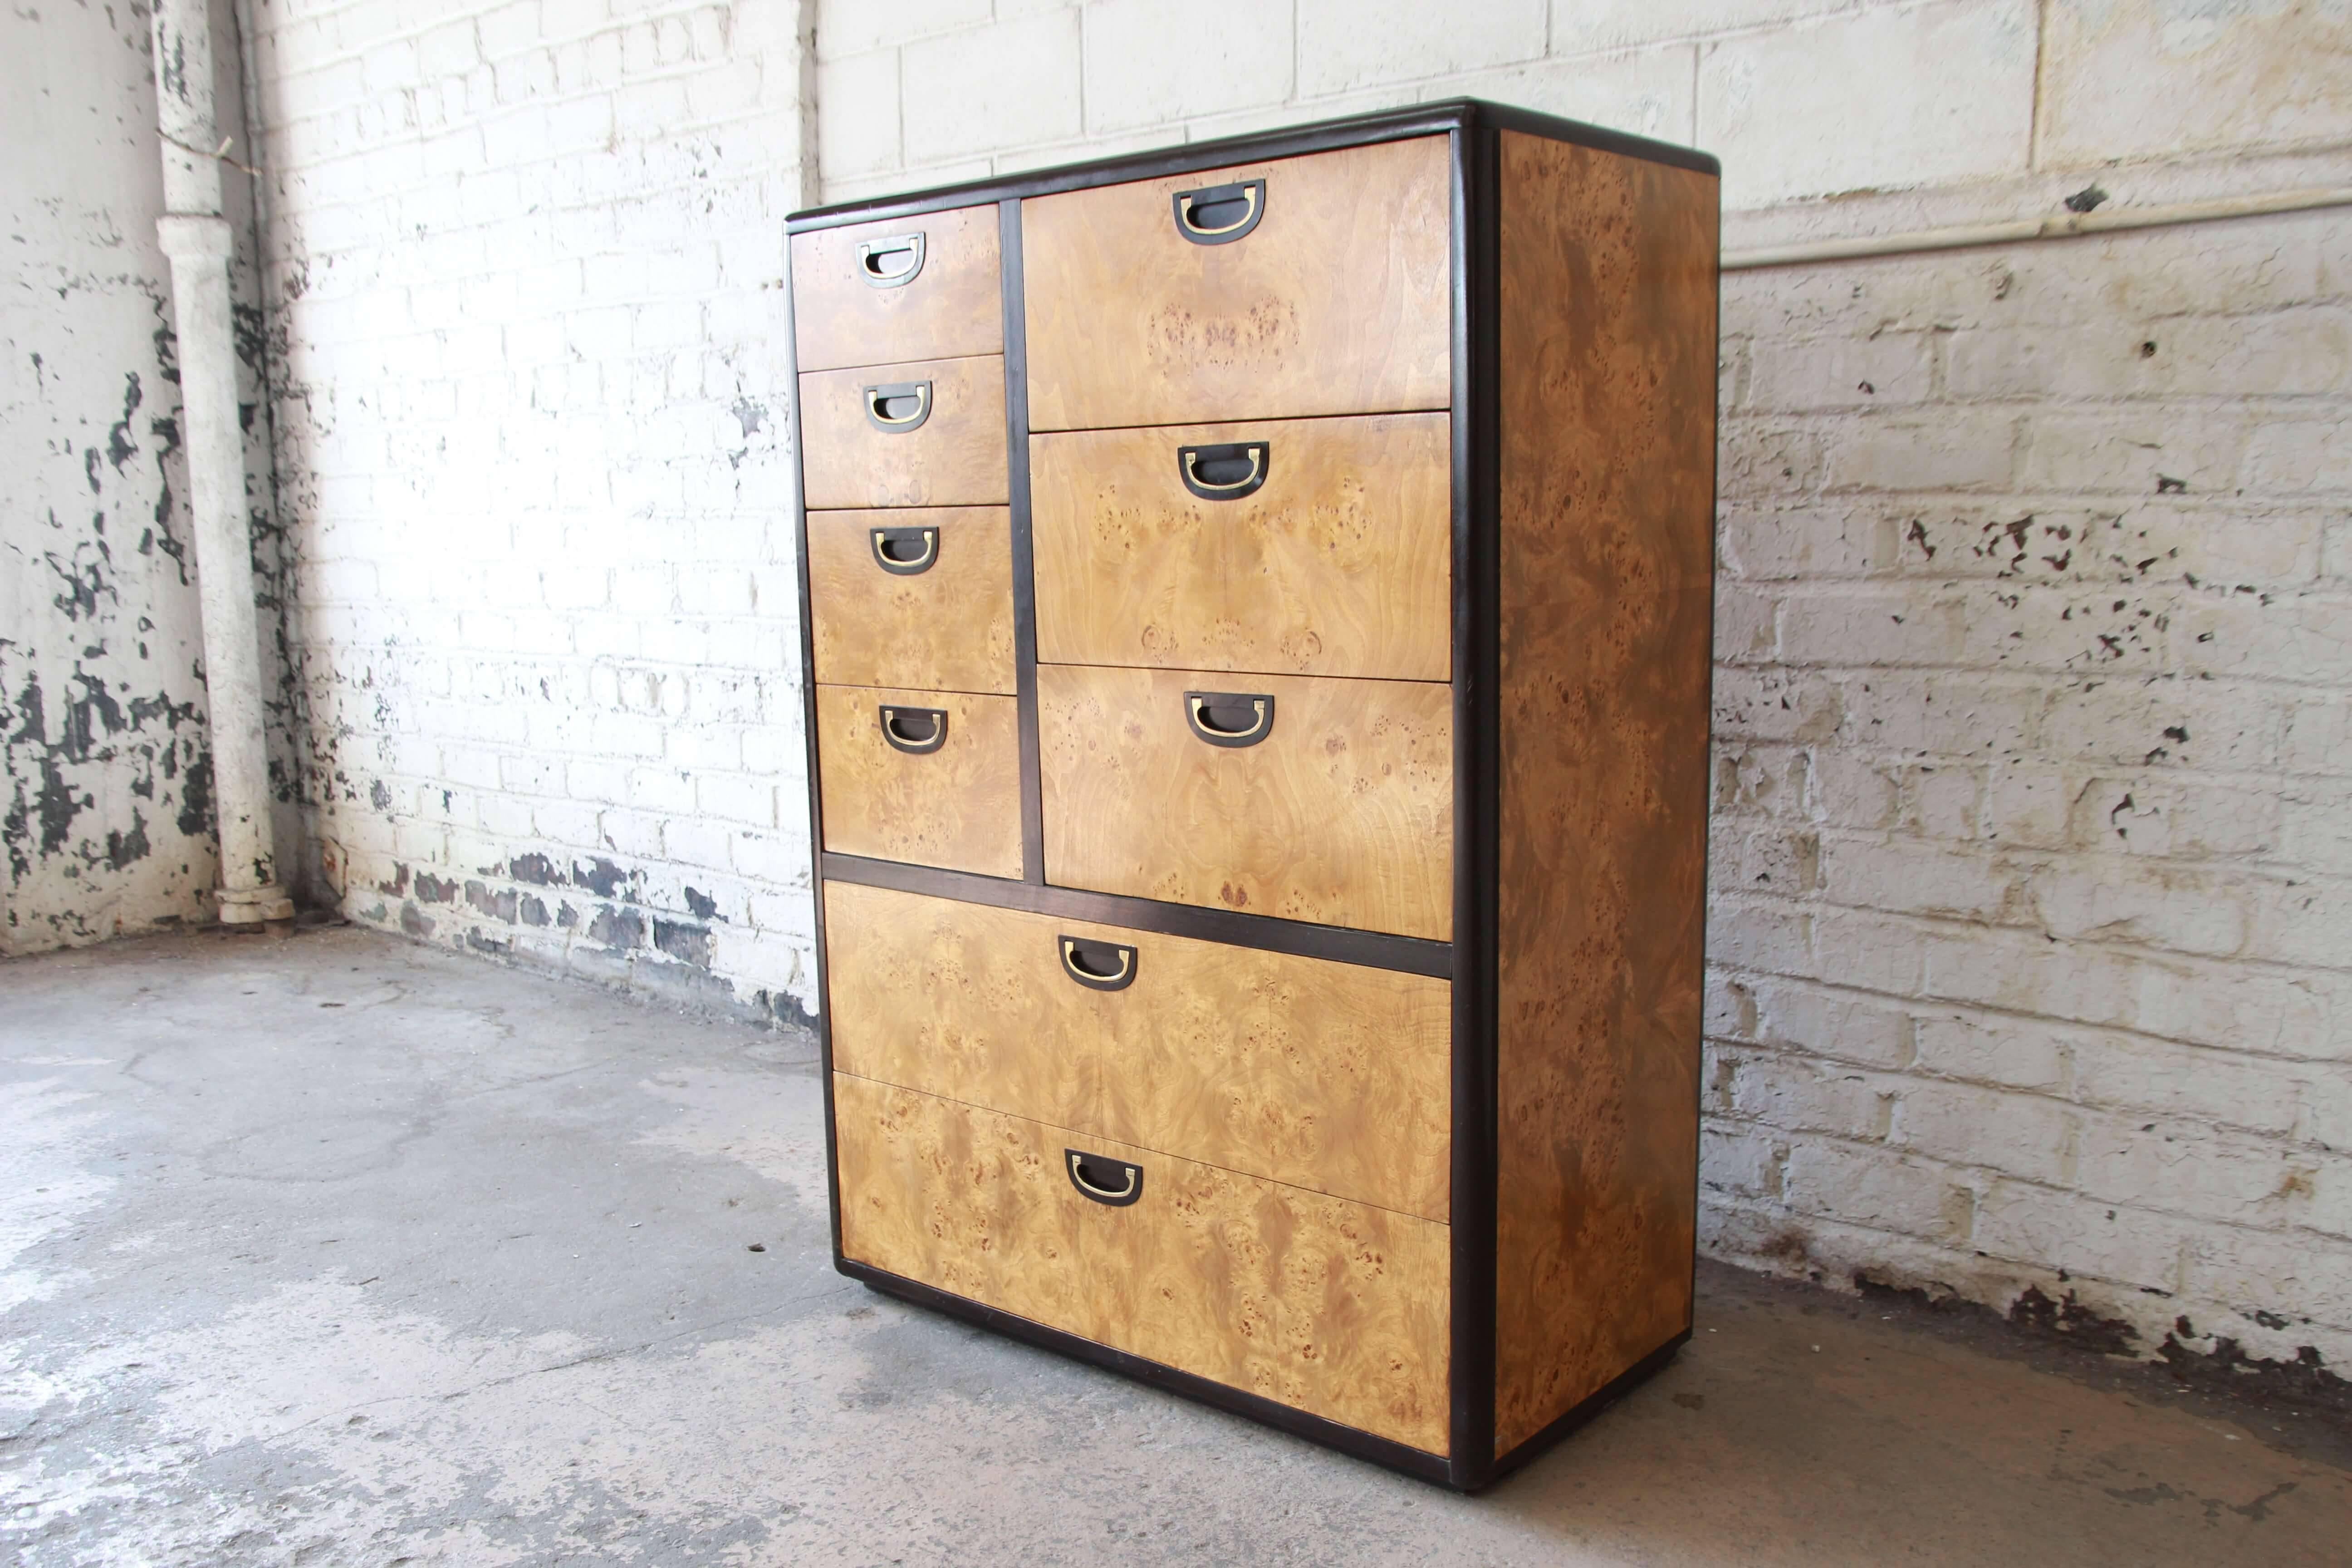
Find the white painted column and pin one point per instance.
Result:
(196, 239)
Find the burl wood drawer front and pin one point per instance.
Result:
(1297, 546)
(1324, 1305)
(903, 289)
(1326, 1075)
(916, 597)
(1328, 801)
(930, 433)
(891, 785)
(961, 1198)
(1327, 1306)
(1313, 285)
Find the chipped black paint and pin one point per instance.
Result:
(687, 944)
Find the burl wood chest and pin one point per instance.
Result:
(1257, 602)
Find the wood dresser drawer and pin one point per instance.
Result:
(905, 288)
(927, 433)
(906, 793)
(1327, 1306)
(1331, 554)
(962, 1199)
(1323, 1305)
(1331, 1077)
(1341, 811)
(1330, 295)
(919, 597)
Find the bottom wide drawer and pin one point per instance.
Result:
(1335, 1307)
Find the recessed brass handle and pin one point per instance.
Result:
(905, 552)
(1226, 472)
(896, 407)
(1093, 1174)
(1098, 966)
(890, 263)
(1220, 214)
(915, 731)
(1230, 718)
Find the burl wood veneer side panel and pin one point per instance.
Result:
(1608, 383)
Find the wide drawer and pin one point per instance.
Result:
(927, 433)
(1327, 1306)
(919, 597)
(1295, 546)
(903, 289)
(891, 786)
(1328, 801)
(1327, 1076)
(1312, 285)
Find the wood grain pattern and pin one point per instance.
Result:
(949, 628)
(1327, 1306)
(956, 457)
(1337, 303)
(958, 806)
(1325, 1076)
(1608, 449)
(1339, 563)
(966, 1001)
(963, 1199)
(1343, 815)
(954, 306)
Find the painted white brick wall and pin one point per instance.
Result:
(526, 261)
(106, 825)
(2032, 931)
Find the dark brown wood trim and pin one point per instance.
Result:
(1373, 950)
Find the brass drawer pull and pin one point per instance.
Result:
(1219, 215)
(915, 731)
(1098, 966)
(890, 263)
(1230, 718)
(1091, 1175)
(905, 552)
(1224, 473)
(899, 407)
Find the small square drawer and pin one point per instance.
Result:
(926, 433)
(1331, 1077)
(1295, 546)
(903, 289)
(1319, 800)
(1313, 285)
(921, 597)
(931, 777)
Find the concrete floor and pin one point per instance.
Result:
(335, 1250)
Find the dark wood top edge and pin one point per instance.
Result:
(1289, 142)
(1366, 949)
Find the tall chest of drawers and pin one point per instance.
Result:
(1258, 605)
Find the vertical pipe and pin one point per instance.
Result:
(196, 239)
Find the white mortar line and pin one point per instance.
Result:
(2071, 226)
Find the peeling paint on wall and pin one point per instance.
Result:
(106, 808)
